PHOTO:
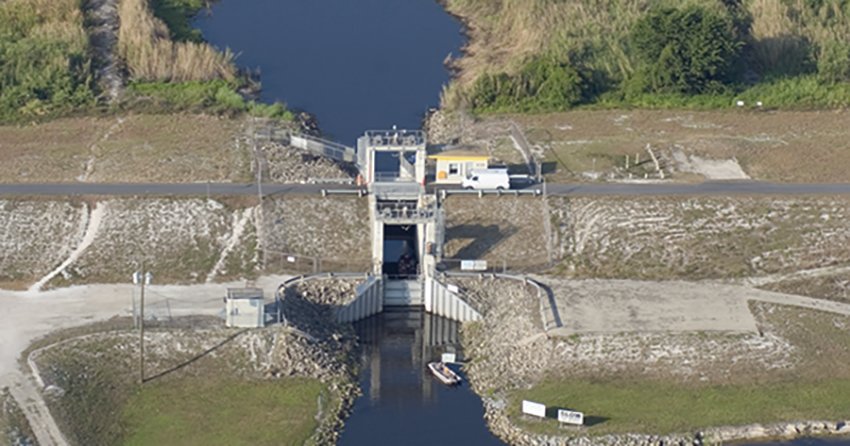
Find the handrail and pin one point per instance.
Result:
(539, 286)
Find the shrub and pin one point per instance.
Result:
(688, 50)
(44, 62)
(542, 85)
(834, 62)
(216, 96)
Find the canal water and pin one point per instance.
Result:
(402, 403)
(359, 65)
(355, 64)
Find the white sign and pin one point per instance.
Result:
(570, 417)
(453, 288)
(532, 408)
(290, 259)
(448, 357)
(473, 265)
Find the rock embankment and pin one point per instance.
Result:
(507, 351)
(333, 229)
(309, 307)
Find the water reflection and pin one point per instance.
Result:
(402, 403)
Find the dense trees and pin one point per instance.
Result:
(701, 53)
(688, 50)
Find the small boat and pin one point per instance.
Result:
(444, 373)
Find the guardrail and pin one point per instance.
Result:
(482, 192)
(291, 263)
(324, 147)
(312, 180)
(545, 296)
(358, 192)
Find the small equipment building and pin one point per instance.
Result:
(244, 308)
(455, 165)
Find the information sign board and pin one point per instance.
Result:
(570, 417)
(535, 409)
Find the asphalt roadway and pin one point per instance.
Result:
(712, 188)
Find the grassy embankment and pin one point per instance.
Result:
(48, 70)
(815, 388)
(545, 55)
(14, 427)
(190, 398)
(171, 67)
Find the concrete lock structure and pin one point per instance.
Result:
(407, 229)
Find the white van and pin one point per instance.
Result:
(487, 179)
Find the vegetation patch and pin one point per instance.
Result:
(204, 385)
(671, 54)
(829, 286)
(45, 68)
(659, 407)
(14, 427)
(222, 412)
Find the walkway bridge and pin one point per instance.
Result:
(323, 147)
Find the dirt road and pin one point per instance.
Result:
(27, 316)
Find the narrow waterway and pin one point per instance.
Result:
(355, 65)
(402, 403)
(359, 65)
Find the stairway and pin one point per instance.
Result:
(402, 293)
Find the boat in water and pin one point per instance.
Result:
(444, 373)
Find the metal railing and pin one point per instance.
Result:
(535, 191)
(406, 212)
(395, 137)
(324, 147)
(277, 262)
(550, 315)
(497, 266)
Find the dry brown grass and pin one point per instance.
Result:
(504, 33)
(139, 148)
(787, 146)
(150, 54)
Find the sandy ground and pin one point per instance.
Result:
(27, 316)
(605, 306)
(630, 306)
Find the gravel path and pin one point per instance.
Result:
(28, 315)
(95, 217)
(619, 306)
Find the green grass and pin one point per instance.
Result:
(216, 96)
(222, 412)
(177, 15)
(655, 407)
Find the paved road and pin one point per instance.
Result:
(573, 189)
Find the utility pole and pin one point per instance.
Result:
(142, 328)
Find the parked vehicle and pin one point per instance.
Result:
(487, 179)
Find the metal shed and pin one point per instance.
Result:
(244, 308)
